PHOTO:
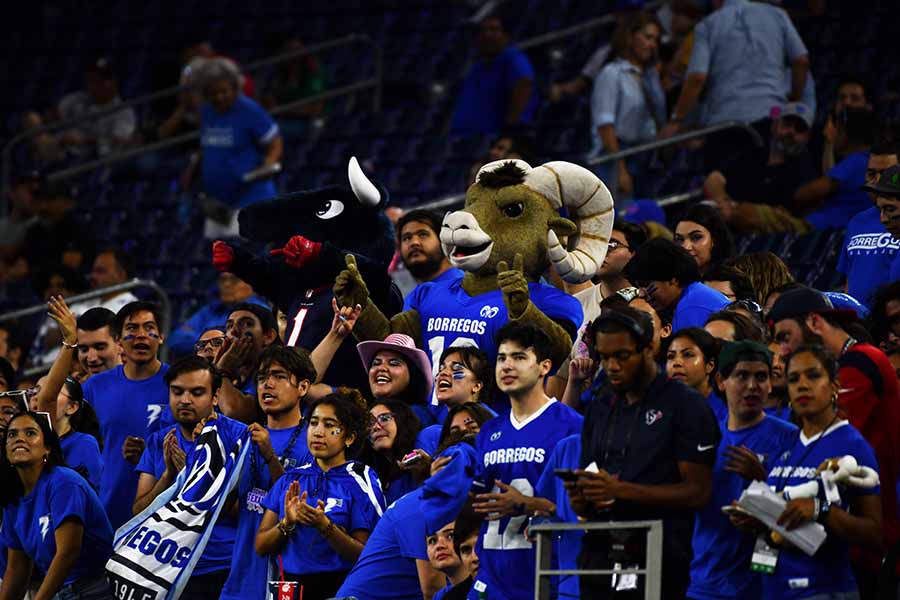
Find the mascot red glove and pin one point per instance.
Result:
(222, 256)
(299, 251)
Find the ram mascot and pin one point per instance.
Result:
(511, 217)
(309, 235)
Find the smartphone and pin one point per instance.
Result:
(411, 459)
(566, 474)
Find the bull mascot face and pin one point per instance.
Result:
(513, 208)
(350, 218)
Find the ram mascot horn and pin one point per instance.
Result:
(504, 239)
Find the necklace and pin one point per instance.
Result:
(254, 468)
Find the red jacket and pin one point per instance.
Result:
(870, 398)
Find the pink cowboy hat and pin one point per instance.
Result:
(401, 344)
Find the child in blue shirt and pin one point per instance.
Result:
(51, 514)
(319, 516)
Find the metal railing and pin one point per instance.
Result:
(677, 139)
(164, 303)
(652, 566)
(374, 82)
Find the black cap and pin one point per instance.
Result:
(735, 352)
(803, 301)
(888, 183)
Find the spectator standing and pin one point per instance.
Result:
(757, 189)
(102, 135)
(79, 433)
(393, 431)
(232, 291)
(420, 248)
(283, 380)
(705, 236)
(40, 493)
(499, 89)
(852, 92)
(692, 358)
(97, 347)
(210, 342)
(238, 138)
(833, 199)
(738, 64)
(130, 401)
(400, 371)
(628, 105)
(512, 453)
(670, 280)
(869, 394)
(751, 442)
(193, 386)
(869, 249)
(653, 444)
(887, 201)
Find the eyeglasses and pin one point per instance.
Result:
(216, 342)
(614, 245)
(381, 420)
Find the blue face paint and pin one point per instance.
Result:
(153, 334)
(127, 338)
(459, 374)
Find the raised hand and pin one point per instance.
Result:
(514, 286)
(299, 251)
(233, 354)
(744, 462)
(581, 369)
(292, 503)
(222, 256)
(344, 318)
(349, 287)
(260, 436)
(64, 318)
(198, 429)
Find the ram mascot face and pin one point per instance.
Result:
(513, 208)
(351, 218)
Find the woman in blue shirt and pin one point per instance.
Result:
(319, 515)
(52, 518)
(691, 359)
(392, 435)
(813, 388)
(79, 433)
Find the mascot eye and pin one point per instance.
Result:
(513, 210)
(330, 209)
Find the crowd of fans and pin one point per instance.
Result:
(695, 372)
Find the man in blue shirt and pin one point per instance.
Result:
(232, 291)
(499, 89)
(131, 402)
(193, 388)
(670, 280)
(738, 64)
(512, 455)
(751, 441)
(421, 250)
(869, 249)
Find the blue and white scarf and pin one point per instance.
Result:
(155, 552)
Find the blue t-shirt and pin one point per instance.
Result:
(451, 317)
(217, 554)
(566, 455)
(450, 274)
(867, 254)
(718, 405)
(516, 454)
(353, 501)
(232, 145)
(721, 566)
(783, 413)
(848, 200)
(60, 494)
(82, 453)
(125, 408)
(485, 94)
(828, 571)
(386, 569)
(696, 303)
(895, 269)
(249, 570)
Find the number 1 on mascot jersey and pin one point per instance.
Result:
(436, 348)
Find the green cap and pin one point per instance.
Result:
(734, 352)
(888, 183)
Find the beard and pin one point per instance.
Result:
(426, 269)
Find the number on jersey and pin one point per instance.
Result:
(513, 537)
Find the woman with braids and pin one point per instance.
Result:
(52, 519)
(283, 379)
(391, 440)
(766, 271)
(318, 516)
(855, 520)
(79, 432)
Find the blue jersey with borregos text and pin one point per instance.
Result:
(516, 454)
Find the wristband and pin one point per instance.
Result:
(70, 346)
(284, 529)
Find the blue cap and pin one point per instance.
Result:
(848, 302)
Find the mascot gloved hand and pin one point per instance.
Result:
(511, 216)
(309, 235)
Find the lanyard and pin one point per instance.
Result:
(782, 479)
